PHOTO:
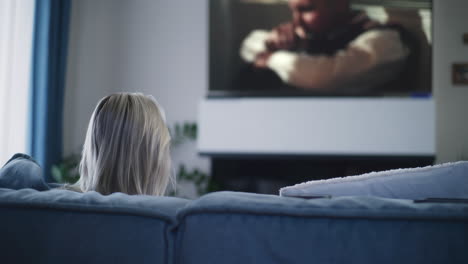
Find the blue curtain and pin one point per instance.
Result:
(50, 42)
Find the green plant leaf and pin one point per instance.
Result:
(57, 174)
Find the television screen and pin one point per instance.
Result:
(320, 48)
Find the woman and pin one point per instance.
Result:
(126, 150)
(126, 147)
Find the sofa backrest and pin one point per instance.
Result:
(227, 227)
(61, 226)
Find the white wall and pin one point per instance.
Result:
(450, 22)
(154, 47)
(91, 74)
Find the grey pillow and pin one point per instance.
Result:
(22, 172)
(448, 180)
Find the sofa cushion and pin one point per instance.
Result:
(60, 226)
(446, 180)
(228, 227)
(20, 172)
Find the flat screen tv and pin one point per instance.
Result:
(379, 48)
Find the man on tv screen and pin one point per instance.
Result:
(327, 47)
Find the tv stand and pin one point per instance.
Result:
(299, 139)
(266, 174)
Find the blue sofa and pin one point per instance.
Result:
(60, 226)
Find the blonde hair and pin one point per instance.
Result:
(127, 147)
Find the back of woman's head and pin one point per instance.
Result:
(126, 147)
